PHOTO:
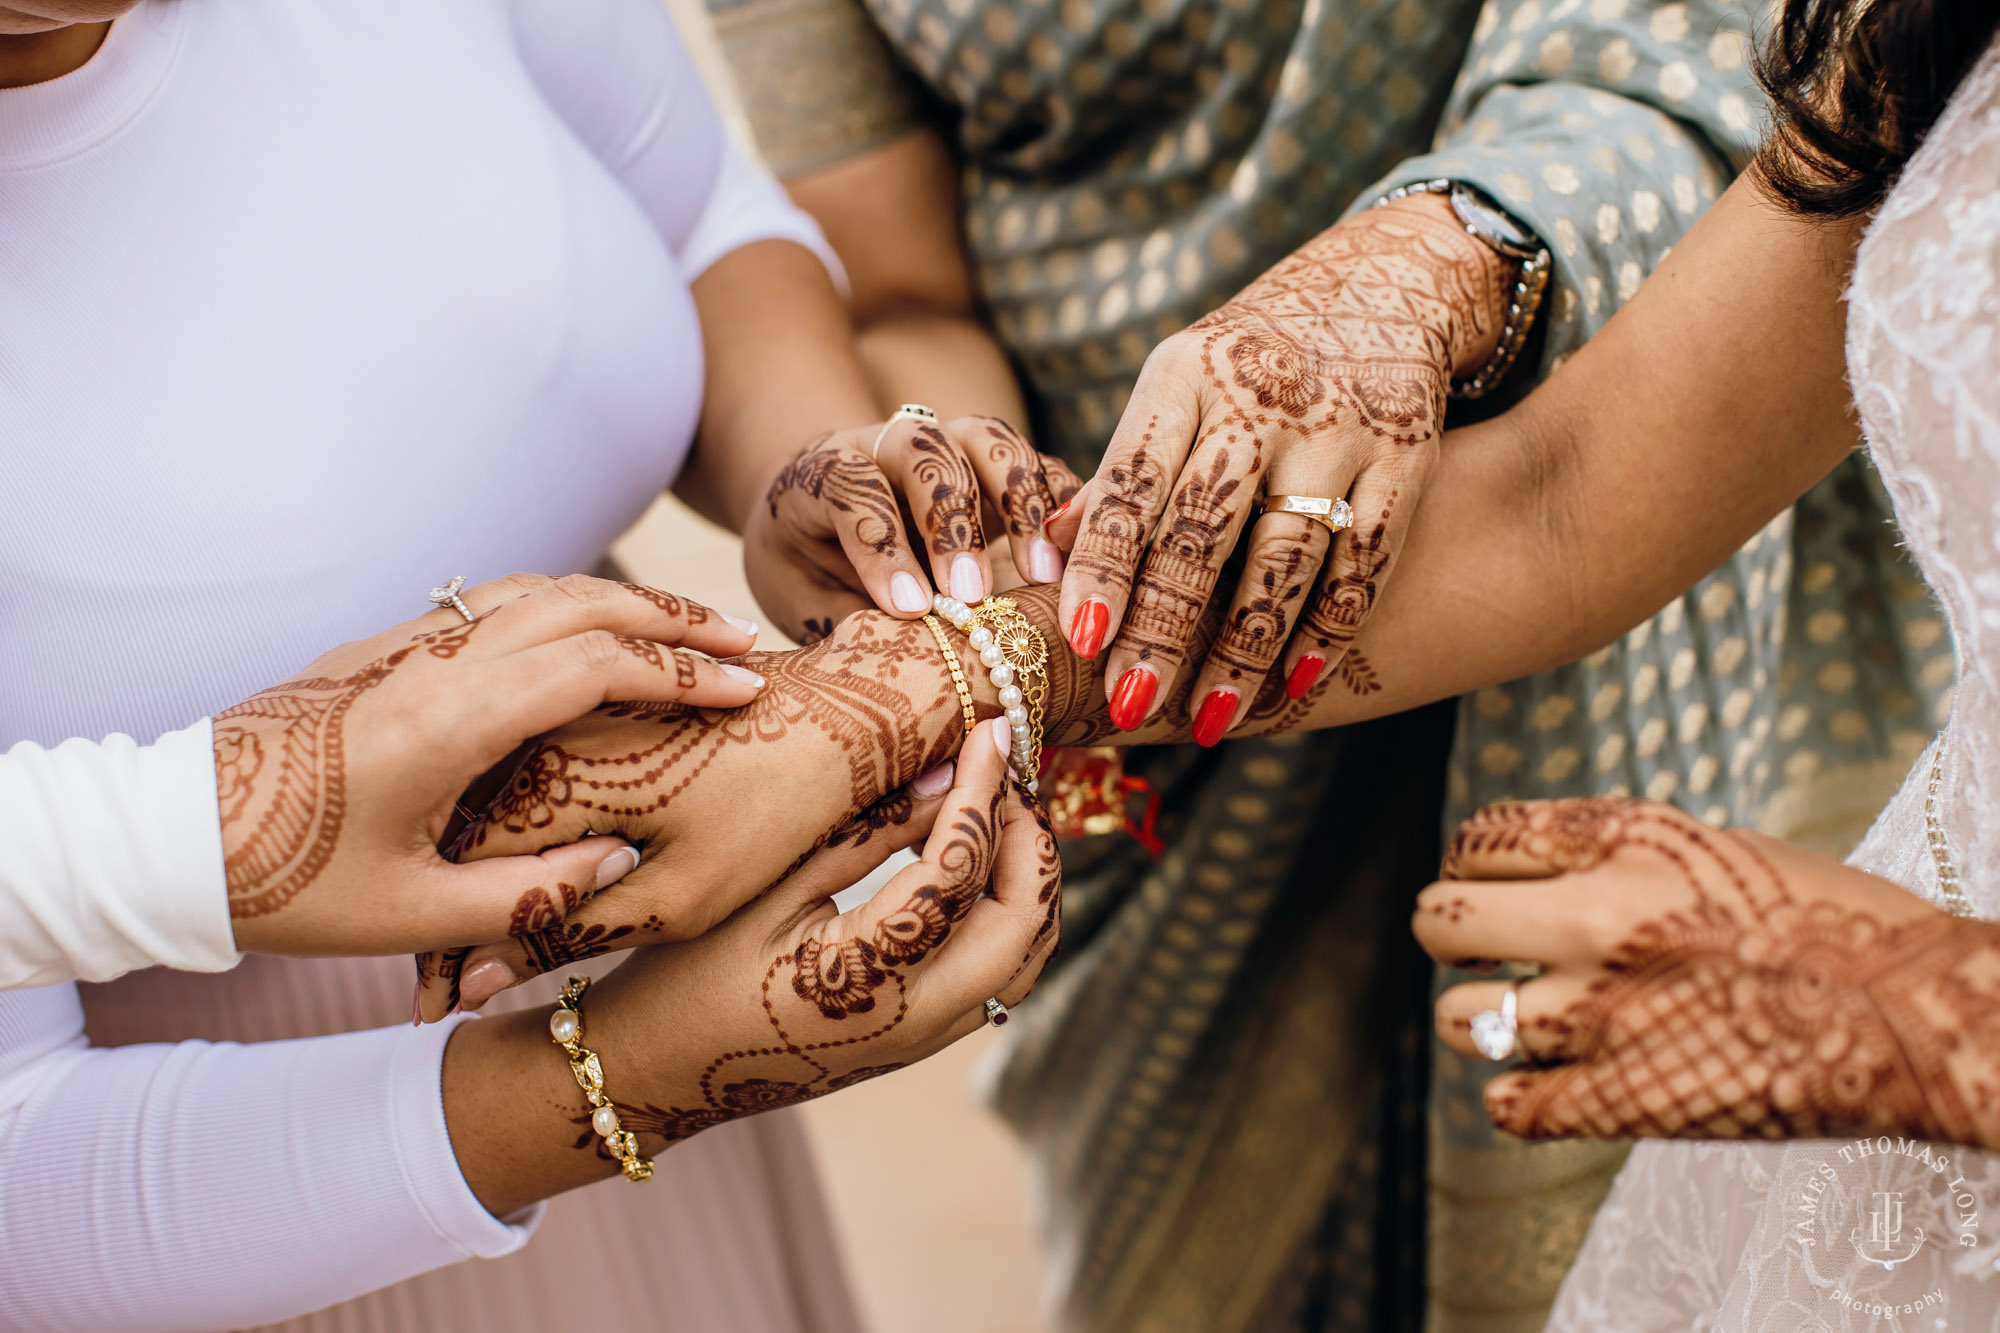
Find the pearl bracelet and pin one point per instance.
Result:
(1016, 660)
(566, 1027)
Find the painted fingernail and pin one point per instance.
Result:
(908, 594)
(617, 866)
(1087, 626)
(1044, 560)
(417, 1006)
(1061, 509)
(1303, 675)
(1133, 697)
(1003, 736)
(935, 782)
(743, 674)
(1213, 719)
(483, 982)
(968, 580)
(740, 625)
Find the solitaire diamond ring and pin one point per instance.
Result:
(446, 594)
(1329, 512)
(1493, 1030)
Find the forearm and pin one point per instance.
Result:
(781, 370)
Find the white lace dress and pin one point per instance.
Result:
(1842, 1236)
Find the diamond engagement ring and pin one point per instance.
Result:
(996, 1013)
(1493, 1030)
(446, 594)
(1330, 513)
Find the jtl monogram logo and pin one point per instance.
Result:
(1885, 1233)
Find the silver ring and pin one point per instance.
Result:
(446, 594)
(1495, 1032)
(996, 1014)
(907, 412)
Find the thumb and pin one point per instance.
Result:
(517, 895)
(900, 820)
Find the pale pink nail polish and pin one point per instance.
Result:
(1003, 737)
(617, 866)
(483, 982)
(1044, 560)
(908, 594)
(968, 580)
(935, 782)
(740, 625)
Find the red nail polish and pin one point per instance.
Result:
(1133, 697)
(1213, 719)
(1087, 626)
(1060, 510)
(1303, 675)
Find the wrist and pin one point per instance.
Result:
(1472, 281)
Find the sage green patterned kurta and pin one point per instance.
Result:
(1221, 1085)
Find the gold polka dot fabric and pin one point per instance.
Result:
(1216, 1083)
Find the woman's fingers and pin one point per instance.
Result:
(1116, 510)
(1205, 511)
(1019, 484)
(530, 692)
(1553, 1019)
(1539, 839)
(937, 480)
(1008, 933)
(1383, 499)
(1286, 552)
(832, 491)
(577, 603)
(1564, 920)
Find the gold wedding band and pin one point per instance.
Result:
(1330, 513)
(907, 412)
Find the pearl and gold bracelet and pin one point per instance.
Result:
(1016, 659)
(566, 1027)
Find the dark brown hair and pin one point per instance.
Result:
(1854, 87)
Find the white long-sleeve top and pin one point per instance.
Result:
(111, 860)
(309, 304)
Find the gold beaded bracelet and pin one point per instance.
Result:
(957, 674)
(566, 1027)
(1016, 658)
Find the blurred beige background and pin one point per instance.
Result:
(927, 1190)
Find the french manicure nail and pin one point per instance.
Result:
(1044, 560)
(936, 781)
(617, 866)
(1133, 697)
(1303, 675)
(1213, 719)
(1087, 626)
(483, 982)
(968, 580)
(744, 674)
(908, 594)
(1003, 737)
(741, 625)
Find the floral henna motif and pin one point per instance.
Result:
(1254, 634)
(694, 612)
(1118, 521)
(849, 484)
(952, 520)
(571, 942)
(1031, 480)
(834, 981)
(281, 777)
(1753, 1011)
(1181, 569)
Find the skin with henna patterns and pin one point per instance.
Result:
(1707, 983)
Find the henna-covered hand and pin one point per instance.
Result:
(829, 538)
(722, 803)
(1707, 983)
(334, 788)
(1327, 376)
(787, 1000)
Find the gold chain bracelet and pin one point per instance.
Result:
(957, 673)
(1016, 658)
(566, 1027)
